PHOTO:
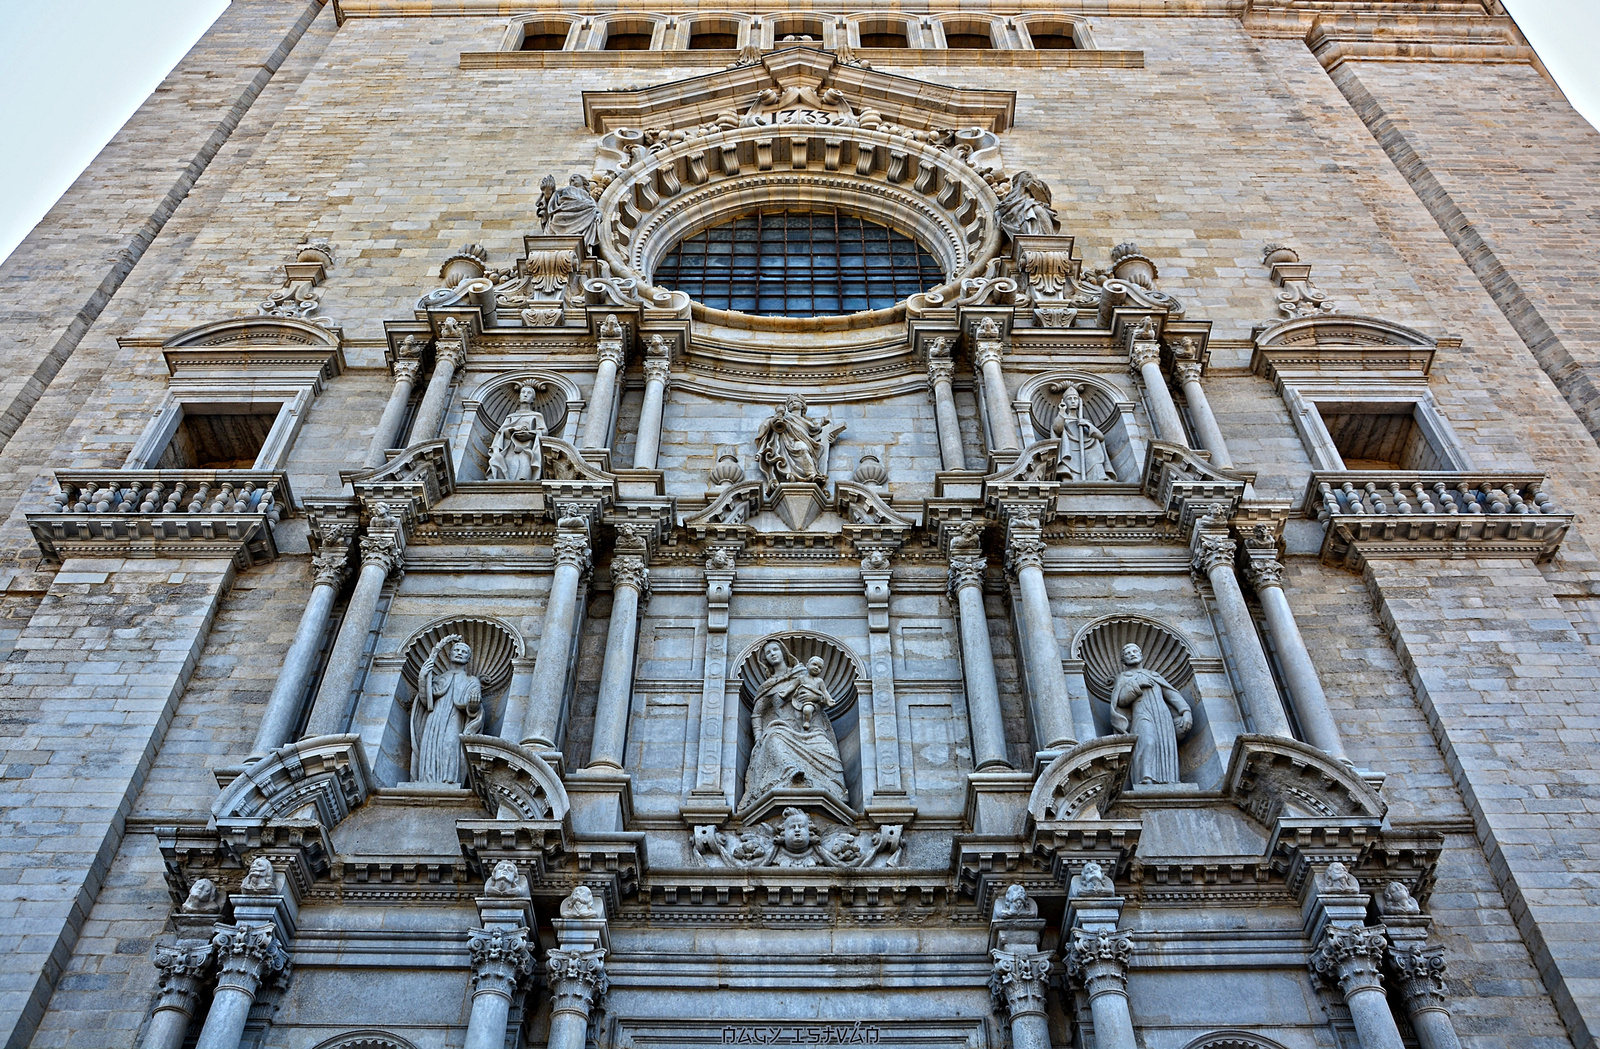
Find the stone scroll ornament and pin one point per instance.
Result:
(517, 453)
(793, 447)
(1145, 704)
(447, 705)
(796, 841)
(793, 748)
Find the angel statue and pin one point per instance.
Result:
(448, 704)
(1026, 207)
(517, 452)
(792, 446)
(570, 211)
(1081, 455)
(1145, 704)
(786, 753)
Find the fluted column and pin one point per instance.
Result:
(576, 979)
(407, 366)
(1350, 957)
(184, 969)
(1265, 573)
(977, 659)
(657, 376)
(502, 964)
(331, 564)
(1145, 357)
(1052, 703)
(1098, 962)
(1419, 971)
(547, 699)
(996, 398)
(941, 381)
(630, 580)
(248, 956)
(1213, 557)
(1205, 423)
(382, 552)
(449, 354)
(611, 350)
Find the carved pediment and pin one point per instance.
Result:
(512, 778)
(319, 778)
(1090, 775)
(1271, 777)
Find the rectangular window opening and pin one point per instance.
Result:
(544, 41)
(1379, 436)
(713, 41)
(219, 440)
(627, 42)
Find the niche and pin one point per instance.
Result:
(219, 437)
(1379, 435)
(845, 678)
(495, 402)
(1104, 406)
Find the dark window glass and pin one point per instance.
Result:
(968, 40)
(1053, 41)
(713, 42)
(544, 41)
(627, 41)
(883, 40)
(780, 263)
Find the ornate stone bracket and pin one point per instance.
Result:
(1299, 297)
(1189, 487)
(1092, 774)
(299, 296)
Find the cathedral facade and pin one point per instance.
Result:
(944, 525)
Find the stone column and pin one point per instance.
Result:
(996, 398)
(575, 970)
(1213, 557)
(1021, 971)
(1051, 701)
(710, 792)
(1205, 424)
(331, 565)
(941, 381)
(450, 352)
(184, 968)
(502, 964)
(1098, 962)
(1145, 357)
(382, 552)
(249, 955)
(1265, 573)
(657, 377)
(1419, 970)
(977, 659)
(610, 348)
(1349, 957)
(547, 699)
(407, 365)
(630, 581)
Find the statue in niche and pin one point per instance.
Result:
(517, 453)
(448, 704)
(1145, 704)
(1081, 454)
(203, 898)
(791, 446)
(1026, 207)
(570, 211)
(786, 753)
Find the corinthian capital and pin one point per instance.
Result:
(1419, 970)
(986, 353)
(941, 371)
(1098, 962)
(1213, 551)
(1018, 982)
(576, 979)
(183, 969)
(967, 571)
(630, 570)
(612, 351)
(1187, 371)
(1350, 957)
(1144, 353)
(248, 955)
(1025, 551)
(451, 346)
(406, 369)
(658, 369)
(1263, 571)
(572, 548)
(502, 961)
(383, 549)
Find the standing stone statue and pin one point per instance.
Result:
(1145, 704)
(791, 446)
(1082, 447)
(570, 211)
(518, 452)
(786, 753)
(1026, 207)
(447, 704)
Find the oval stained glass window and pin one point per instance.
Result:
(788, 263)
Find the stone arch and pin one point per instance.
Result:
(1233, 1040)
(541, 25)
(494, 399)
(1341, 329)
(366, 1040)
(243, 332)
(1105, 404)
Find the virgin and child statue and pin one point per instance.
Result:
(794, 746)
(1145, 704)
(517, 453)
(448, 704)
(791, 446)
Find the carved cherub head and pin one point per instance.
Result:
(798, 831)
(1014, 903)
(502, 880)
(1339, 879)
(203, 898)
(1093, 881)
(1397, 899)
(581, 904)
(260, 879)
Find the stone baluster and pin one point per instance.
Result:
(546, 703)
(1145, 358)
(657, 379)
(1265, 573)
(611, 350)
(1053, 715)
(407, 365)
(575, 969)
(1205, 423)
(330, 565)
(941, 380)
(1350, 958)
(1098, 954)
(996, 398)
(967, 566)
(184, 969)
(630, 582)
(1020, 977)
(382, 552)
(1213, 558)
(449, 354)
(249, 956)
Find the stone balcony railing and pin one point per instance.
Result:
(1434, 514)
(163, 513)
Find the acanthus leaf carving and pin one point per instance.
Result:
(795, 840)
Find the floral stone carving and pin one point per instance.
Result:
(796, 840)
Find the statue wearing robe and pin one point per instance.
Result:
(791, 446)
(787, 754)
(1145, 704)
(1081, 454)
(1026, 207)
(570, 211)
(517, 452)
(448, 704)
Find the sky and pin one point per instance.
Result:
(73, 71)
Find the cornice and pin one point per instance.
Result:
(917, 58)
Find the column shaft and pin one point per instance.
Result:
(568, 1029)
(1030, 1032)
(1310, 702)
(1205, 423)
(435, 400)
(616, 674)
(951, 454)
(1435, 1029)
(977, 663)
(997, 401)
(1214, 556)
(486, 1025)
(550, 671)
(394, 413)
(647, 449)
(1169, 427)
(166, 1029)
(597, 427)
(1052, 706)
(1113, 1024)
(330, 712)
(224, 1026)
(1374, 1023)
(283, 707)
